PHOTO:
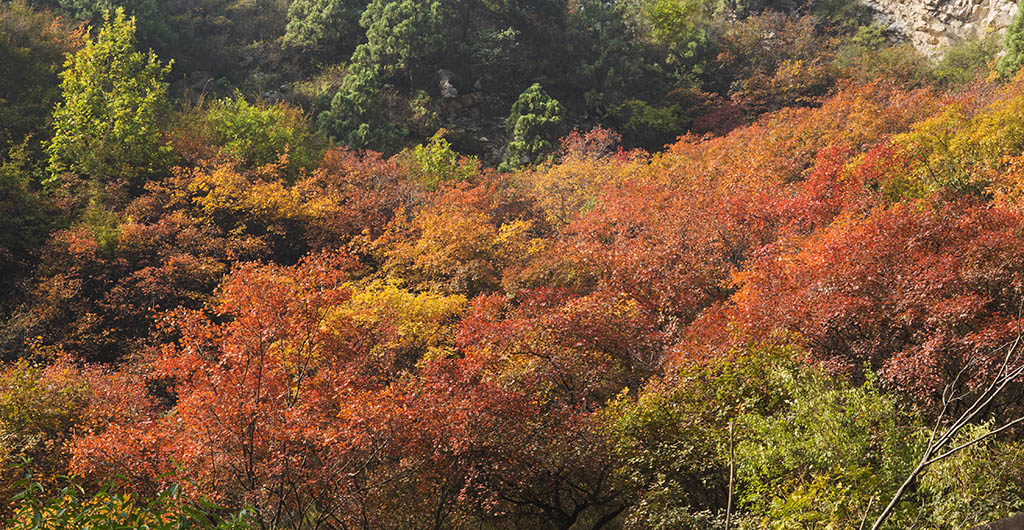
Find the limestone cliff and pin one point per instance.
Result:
(932, 25)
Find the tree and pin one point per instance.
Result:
(403, 36)
(534, 123)
(106, 127)
(607, 51)
(913, 293)
(1012, 60)
(25, 224)
(331, 25)
(152, 18)
(356, 116)
(676, 25)
(586, 164)
(277, 407)
(460, 241)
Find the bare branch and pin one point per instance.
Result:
(1010, 369)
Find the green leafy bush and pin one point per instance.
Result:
(435, 162)
(868, 55)
(982, 483)
(820, 459)
(258, 134)
(73, 509)
(963, 62)
(672, 440)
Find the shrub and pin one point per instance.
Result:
(259, 134)
(71, 508)
(435, 162)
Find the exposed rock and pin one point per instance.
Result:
(199, 80)
(932, 25)
(1014, 523)
(448, 90)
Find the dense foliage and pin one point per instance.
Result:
(567, 264)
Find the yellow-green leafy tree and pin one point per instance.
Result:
(106, 127)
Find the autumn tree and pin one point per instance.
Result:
(300, 425)
(462, 240)
(922, 292)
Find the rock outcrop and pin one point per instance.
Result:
(932, 25)
(1014, 523)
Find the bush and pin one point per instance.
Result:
(819, 459)
(868, 55)
(436, 162)
(72, 509)
(672, 440)
(259, 134)
(963, 62)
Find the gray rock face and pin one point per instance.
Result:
(932, 25)
(445, 85)
(1014, 523)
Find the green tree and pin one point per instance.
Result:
(356, 117)
(332, 25)
(678, 26)
(611, 62)
(113, 95)
(24, 224)
(534, 124)
(1011, 62)
(403, 36)
(156, 24)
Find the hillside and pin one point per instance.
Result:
(543, 264)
